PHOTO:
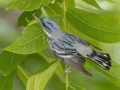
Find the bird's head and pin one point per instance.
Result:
(49, 26)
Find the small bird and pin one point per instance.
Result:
(71, 49)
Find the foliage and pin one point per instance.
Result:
(6, 82)
(80, 22)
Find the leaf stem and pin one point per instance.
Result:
(67, 85)
(64, 11)
(64, 20)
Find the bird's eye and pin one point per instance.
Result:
(43, 24)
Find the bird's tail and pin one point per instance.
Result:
(101, 59)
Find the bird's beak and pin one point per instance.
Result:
(38, 18)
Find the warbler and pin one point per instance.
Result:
(71, 49)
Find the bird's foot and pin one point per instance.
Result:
(67, 70)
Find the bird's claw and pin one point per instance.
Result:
(67, 70)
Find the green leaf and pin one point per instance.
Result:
(23, 74)
(49, 57)
(113, 1)
(26, 17)
(93, 3)
(70, 3)
(113, 74)
(32, 41)
(9, 61)
(56, 18)
(99, 27)
(6, 82)
(38, 81)
(27, 5)
(75, 87)
(53, 9)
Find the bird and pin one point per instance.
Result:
(70, 49)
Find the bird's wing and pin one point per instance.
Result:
(76, 61)
(90, 44)
(83, 41)
(61, 49)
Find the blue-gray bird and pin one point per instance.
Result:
(71, 49)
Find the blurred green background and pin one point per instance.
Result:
(9, 31)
